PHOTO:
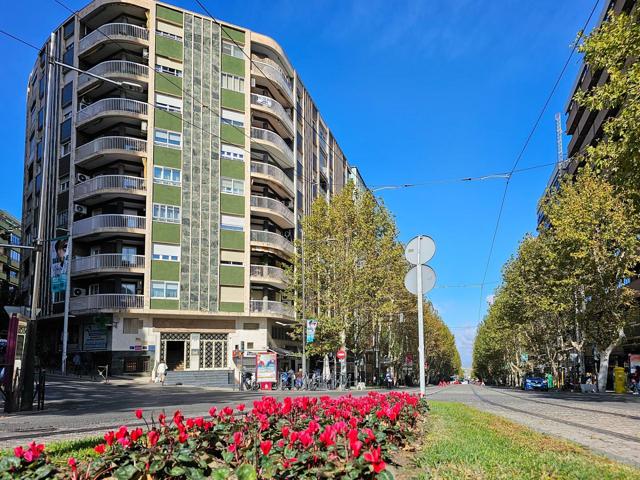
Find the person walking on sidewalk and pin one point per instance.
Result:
(161, 371)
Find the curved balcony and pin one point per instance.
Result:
(270, 242)
(112, 107)
(274, 144)
(106, 302)
(107, 263)
(116, 70)
(271, 307)
(103, 148)
(272, 71)
(268, 104)
(114, 32)
(271, 173)
(106, 223)
(274, 276)
(273, 209)
(105, 185)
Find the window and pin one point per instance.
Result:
(63, 185)
(65, 149)
(38, 182)
(65, 131)
(164, 290)
(168, 103)
(232, 118)
(40, 118)
(128, 288)
(232, 186)
(13, 274)
(166, 252)
(67, 94)
(68, 57)
(232, 49)
(14, 239)
(232, 82)
(167, 138)
(39, 151)
(169, 30)
(166, 213)
(229, 222)
(62, 218)
(15, 256)
(166, 175)
(168, 70)
(42, 86)
(131, 326)
(69, 28)
(231, 153)
(94, 289)
(172, 36)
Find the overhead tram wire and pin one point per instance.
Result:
(524, 147)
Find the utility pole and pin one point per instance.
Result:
(67, 298)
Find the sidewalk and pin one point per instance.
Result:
(115, 380)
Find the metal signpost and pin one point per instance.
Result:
(419, 280)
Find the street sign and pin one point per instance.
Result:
(420, 250)
(341, 355)
(428, 279)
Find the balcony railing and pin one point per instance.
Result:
(120, 69)
(271, 307)
(274, 239)
(124, 145)
(106, 301)
(107, 262)
(274, 107)
(274, 205)
(109, 183)
(273, 137)
(113, 106)
(113, 32)
(274, 172)
(108, 222)
(269, 273)
(272, 71)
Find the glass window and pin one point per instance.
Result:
(69, 28)
(157, 289)
(67, 94)
(169, 70)
(229, 222)
(40, 118)
(232, 49)
(231, 152)
(65, 131)
(15, 256)
(166, 175)
(39, 151)
(166, 252)
(168, 103)
(232, 186)
(232, 118)
(167, 138)
(166, 213)
(232, 82)
(68, 57)
(41, 86)
(14, 239)
(164, 289)
(171, 290)
(64, 184)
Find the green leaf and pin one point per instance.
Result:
(177, 471)
(125, 472)
(220, 473)
(246, 472)
(385, 475)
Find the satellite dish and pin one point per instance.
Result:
(427, 248)
(428, 279)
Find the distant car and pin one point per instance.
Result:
(535, 382)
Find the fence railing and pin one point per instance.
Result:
(112, 32)
(113, 105)
(274, 239)
(115, 68)
(273, 137)
(126, 144)
(273, 204)
(274, 107)
(272, 171)
(113, 222)
(268, 272)
(106, 301)
(271, 307)
(107, 261)
(104, 183)
(272, 70)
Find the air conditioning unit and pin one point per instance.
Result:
(79, 208)
(145, 53)
(78, 292)
(82, 177)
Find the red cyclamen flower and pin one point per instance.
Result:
(99, 449)
(73, 464)
(138, 414)
(153, 437)
(265, 446)
(375, 459)
(18, 452)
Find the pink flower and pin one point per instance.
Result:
(265, 446)
(138, 414)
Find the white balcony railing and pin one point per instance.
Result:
(113, 32)
(274, 239)
(274, 107)
(271, 307)
(273, 137)
(126, 145)
(274, 172)
(120, 69)
(106, 301)
(274, 205)
(272, 71)
(107, 262)
(268, 273)
(108, 222)
(113, 106)
(109, 183)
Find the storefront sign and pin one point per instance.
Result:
(266, 367)
(95, 337)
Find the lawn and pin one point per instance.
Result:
(464, 443)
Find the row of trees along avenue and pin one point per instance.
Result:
(348, 274)
(563, 294)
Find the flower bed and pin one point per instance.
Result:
(302, 437)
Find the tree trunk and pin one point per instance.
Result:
(603, 369)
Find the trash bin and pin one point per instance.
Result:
(619, 380)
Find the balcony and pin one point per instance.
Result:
(273, 209)
(271, 242)
(274, 276)
(116, 70)
(274, 144)
(99, 151)
(117, 33)
(271, 173)
(112, 107)
(107, 263)
(110, 185)
(268, 104)
(271, 307)
(106, 302)
(272, 71)
(124, 224)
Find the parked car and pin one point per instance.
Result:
(535, 382)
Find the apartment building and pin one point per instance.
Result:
(9, 267)
(180, 161)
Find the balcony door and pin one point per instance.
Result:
(129, 256)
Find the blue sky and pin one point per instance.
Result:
(414, 91)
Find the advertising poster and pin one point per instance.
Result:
(266, 367)
(634, 361)
(312, 324)
(95, 337)
(59, 264)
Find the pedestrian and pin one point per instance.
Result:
(388, 378)
(161, 372)
(77, 363)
